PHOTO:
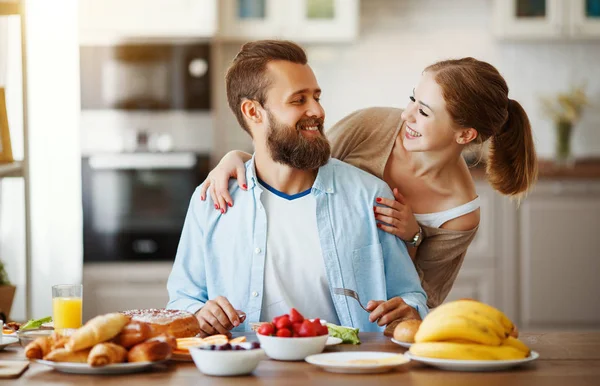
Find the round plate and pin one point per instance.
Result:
(403, 344)
(7, 340)
(467, 365)
(84, 368)
(332, 341)
(358, 362)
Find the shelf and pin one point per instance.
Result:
(11, 169)
(10, 7)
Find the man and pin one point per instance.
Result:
(304, 224)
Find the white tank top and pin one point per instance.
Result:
(437, 219)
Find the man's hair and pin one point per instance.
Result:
(246, 78)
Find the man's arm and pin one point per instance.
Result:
(187, 282)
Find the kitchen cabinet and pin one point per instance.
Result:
(559, 255)
(299, 20)
(124, 286)
(106, 20)
(547, 19)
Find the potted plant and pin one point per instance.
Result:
(565, 109)
(7, 292)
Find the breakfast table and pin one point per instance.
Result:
(566, 358)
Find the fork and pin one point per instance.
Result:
(350, 293)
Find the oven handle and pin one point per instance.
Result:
(143, 161)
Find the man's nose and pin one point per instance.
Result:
(315, 110)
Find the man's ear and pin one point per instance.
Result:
(252, 111)
(465, 136)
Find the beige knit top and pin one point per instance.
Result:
(365, 139)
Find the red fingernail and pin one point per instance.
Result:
(374, 208)
(216, 206)
(245, 186)
(230, 204)
(222, 211)
(378, 199)
(202, 198)
(378, 225)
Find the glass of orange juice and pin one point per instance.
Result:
(67, 306)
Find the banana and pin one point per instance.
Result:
(479, 307)
(447, 350)
(516, 343)
(476, 316)
(457, 327)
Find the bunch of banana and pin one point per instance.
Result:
(468, 329)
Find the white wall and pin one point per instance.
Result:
(399, 38)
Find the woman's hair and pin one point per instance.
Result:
(476, 96)
(246, 78)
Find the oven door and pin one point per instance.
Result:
(134, 204)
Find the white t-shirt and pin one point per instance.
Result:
(294, 267)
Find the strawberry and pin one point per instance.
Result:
(284, 333)
(266, 329)
(307, 329)
(295, 316)
(319, 328)
(283, 322)
(275, 319)
(296, 327)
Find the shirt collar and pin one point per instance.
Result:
(324, 182)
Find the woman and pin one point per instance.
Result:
(457, 104)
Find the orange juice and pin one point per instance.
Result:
(66, 312)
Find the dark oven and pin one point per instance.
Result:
(134, 204)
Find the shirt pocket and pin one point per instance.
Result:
(369, 273)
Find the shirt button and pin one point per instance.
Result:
(254, 294)
(257, 250)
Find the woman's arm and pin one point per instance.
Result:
(217, 181)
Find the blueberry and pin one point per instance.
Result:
(212, 347)
(255, 345)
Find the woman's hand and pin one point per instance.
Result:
(217, 181)
(396, 217)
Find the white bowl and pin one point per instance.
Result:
(292, 349)
(227, 363)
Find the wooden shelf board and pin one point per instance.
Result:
(11, 169)
(10, 8)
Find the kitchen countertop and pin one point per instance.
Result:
(586, 168)
(566, 358)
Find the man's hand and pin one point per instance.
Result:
(385, 312)
(217, 317)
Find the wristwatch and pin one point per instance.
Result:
(417, 239)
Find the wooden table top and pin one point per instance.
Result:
(570, 359)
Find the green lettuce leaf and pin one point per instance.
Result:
(36, 323)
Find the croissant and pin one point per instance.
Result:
(97, 330)
(133, 333)
(150, 351)
(64, 355)
(104, 354)
(39, 348)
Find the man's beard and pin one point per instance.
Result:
(288, 145)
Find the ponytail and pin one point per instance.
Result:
(512, 162)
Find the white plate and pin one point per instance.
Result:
(341, 362)
(332, 341)
(7, 340)
(467, 365)
(403, 344)
(84, 368)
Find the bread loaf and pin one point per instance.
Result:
(104, 354)
(155, 349)
(97, 330)
(134, 333)
(64, 355)
(405, 331)
(180, 324)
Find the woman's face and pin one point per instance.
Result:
(427, 124)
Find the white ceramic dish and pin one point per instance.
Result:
(403, 344)
(292, 349)
(84, 368)
(7, 340)
(227, 363)
(467, 365)
(332, 341)
(345, 362)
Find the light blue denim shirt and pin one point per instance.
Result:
(224, 255)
